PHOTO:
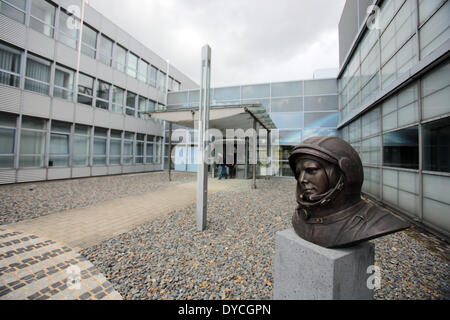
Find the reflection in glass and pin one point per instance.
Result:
(401, 148)
(436, 144)
(287, 120)
(321, 120)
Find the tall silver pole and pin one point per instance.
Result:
(203, 126)
(80, 39)
(254, 150)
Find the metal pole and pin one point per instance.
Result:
(202, 168)
(255, 156)
(170, 151)
(80, 39)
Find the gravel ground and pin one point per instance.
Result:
(31, 200)
(170, 259)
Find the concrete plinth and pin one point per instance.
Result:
(305, 271)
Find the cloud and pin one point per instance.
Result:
(252, 41)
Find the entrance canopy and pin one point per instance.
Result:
(221, 117)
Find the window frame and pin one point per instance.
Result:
(52, 27)
(14, 75)
(55, 86)
(41, 61)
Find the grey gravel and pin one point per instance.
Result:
(21, 202)
(169, 259)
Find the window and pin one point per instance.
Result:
(161, 81)
(32, 142)
(176, 86)
(89, 41)
(287, 105)
(115, 147)
(436, 145)
(14, 9)
(401, 109)
(143, 71)
(151, 106)
(436, 31)
(142, 108)
(59, 144)
(150, 149)
(99, 153)
(9, 66)
(128, 148)
(7, 140)
(131, 104)
(68, 34)
(153, 76)
(37, 77)
(132, 65)
(63, 83)
(256, 91)
(436, 92)
(103, 89)
(85, 89)
(158, 150)
(401, 148)
(118, 98)
(42, 17)
(121, 58)
(140, 142)
(105, 50)
(81, 146)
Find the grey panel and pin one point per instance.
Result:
(99, 171)
(59, 173)
(66, 55)
(123, 38)
(88, 65)
(31, 175)
(7, 176)
(93, 18)
(108, 28)
(81, 172)
(12, 31)
(139, 168)
(114, 170)
(348, 28)
(131, 124)
(9, 99)
(128, 169)
(363, 5)
(41, 44)
(120, 79)
(116, 121)
(133, 85)
(142, 89)
(35, 104)
(62, 110)
(101, 118)
(84, 114)
(104, 72)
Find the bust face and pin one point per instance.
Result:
(313, 179)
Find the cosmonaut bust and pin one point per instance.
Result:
(330, 211)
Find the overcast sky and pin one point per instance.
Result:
(252, 41)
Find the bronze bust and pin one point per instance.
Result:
(331, 212)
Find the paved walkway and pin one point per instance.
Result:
(83, 228)
(34, 268)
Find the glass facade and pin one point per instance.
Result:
(299, 109)
(403, 136)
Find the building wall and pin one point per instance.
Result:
(299, 109)
(395, 109)
(38, 68)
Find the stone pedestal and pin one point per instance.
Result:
(305, 271)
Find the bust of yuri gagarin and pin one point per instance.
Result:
(330, 211)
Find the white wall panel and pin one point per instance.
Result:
(12, 31)
(35, 104)
(59, 173)
(30, 175)
(7, 176)
(62, 110)
(41, 44)
(84, 114)
(9, 99)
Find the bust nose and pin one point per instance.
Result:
(302, 177)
